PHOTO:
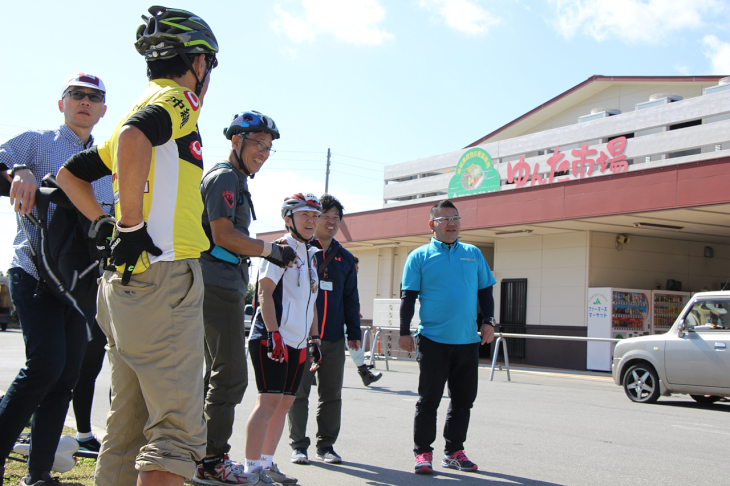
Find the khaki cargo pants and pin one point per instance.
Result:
(155, 330)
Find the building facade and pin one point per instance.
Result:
(619, 182)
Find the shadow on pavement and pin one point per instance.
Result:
(719, 407)
(379, 476)
(380, 389)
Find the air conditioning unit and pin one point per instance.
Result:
(723, 85)
(658, 100)
(598, 113)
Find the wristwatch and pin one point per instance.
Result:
(16, 169)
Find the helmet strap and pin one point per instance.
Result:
(293, 229)
(239, 161)
(198, 83)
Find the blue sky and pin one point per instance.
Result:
(377, 81)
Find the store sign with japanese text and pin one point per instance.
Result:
(476, 174)
(585, 164)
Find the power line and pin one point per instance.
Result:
(363, 168)
(357, 175)
(300, 152)
(295, 169)
(357, 158)
(14, 126)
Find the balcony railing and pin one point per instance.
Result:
(653, 145)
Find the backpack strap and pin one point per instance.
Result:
(217, 251)
(330, 256)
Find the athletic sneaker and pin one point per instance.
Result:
(221, 470)
(423, 463)
(91, 445)
(46, 480)
(235, 465)
(263, 478)
(458, 460)
(299, 456)
(328, 455)
(278, 476)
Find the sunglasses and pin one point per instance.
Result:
(447, 219)
(80, 95)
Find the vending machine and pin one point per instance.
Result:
(666, 307)
(614, 313)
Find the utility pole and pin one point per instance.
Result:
(327, 175)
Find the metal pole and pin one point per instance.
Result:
(494, 358)
(327, 175)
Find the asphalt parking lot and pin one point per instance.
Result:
(539, 429)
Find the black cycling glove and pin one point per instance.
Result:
(315, 352)
(102, 232)
(282, 255)
(128, 246)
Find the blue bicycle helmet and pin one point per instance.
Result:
(251, 122)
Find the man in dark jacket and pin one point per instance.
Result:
(338, 306)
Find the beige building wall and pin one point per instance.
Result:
(381, 270)
(646, 263)
(555, 267)
(381, 273)
(560, 268)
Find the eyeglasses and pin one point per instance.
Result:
(212, 61)
(447, 219)
(80, 95)
(262, 146)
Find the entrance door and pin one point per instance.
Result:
(513, 313)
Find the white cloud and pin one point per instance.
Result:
(718, 52)
(681, 69)
(463, 15)
(649, 21)
(290, 54)
(351, 21)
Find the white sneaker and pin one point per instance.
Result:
(263, 477)
(278, 476)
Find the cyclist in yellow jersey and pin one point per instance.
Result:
(150, 305)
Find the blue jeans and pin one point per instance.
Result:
(55, 341)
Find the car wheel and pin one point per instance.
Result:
(641, 384)
(706, 399)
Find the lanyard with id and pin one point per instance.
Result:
(325, 284)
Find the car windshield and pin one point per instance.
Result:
(709, 314)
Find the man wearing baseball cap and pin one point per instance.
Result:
(54, 333)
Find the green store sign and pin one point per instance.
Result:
(475, 174)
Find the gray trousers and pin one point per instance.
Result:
(329, 407)
(226, 374)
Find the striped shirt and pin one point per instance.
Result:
(44, 152)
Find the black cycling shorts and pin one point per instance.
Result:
(275, 377)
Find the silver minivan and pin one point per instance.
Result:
(691, 358)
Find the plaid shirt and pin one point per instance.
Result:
(43, 152)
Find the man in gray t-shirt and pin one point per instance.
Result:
(225, 192)
(226, 219)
